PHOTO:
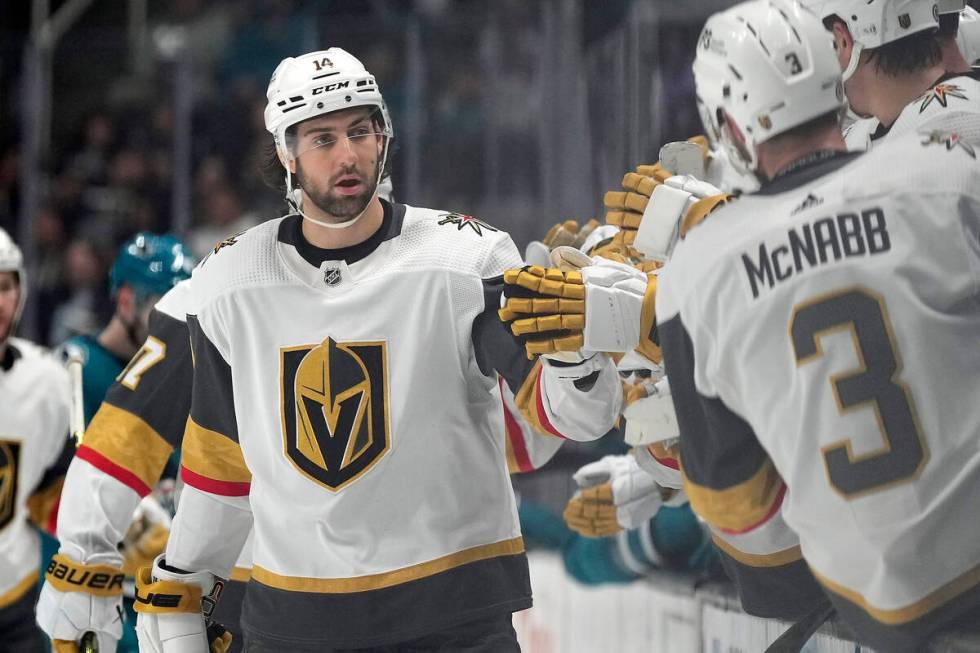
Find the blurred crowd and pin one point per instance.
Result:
(470, 116)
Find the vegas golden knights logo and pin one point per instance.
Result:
(9, 462)
(335, 409)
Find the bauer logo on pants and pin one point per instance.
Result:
(334, 403)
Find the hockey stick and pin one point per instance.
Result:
(798, 634)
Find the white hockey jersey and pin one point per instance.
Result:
(35, 401)
(351, 396)
(823, 333)
(951, 105)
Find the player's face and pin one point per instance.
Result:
(337, 165)
(9, 294)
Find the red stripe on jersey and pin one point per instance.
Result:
(542, 413)
(214, 486)
(114, 470)
(666, 462)
(777, 502)
(516, 436)
(52, 526)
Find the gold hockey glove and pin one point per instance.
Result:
(545, 309)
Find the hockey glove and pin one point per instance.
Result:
(77, 599)
(676, 206)
(614, 494)
(649, 413)
(626, 208)
(544, 308)
(146, 537)
(174, 611)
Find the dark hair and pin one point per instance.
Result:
(274, 174)
(907, 55)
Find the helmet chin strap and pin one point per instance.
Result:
(294, 197)
(852, 65)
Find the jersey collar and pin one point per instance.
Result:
(291, 233)
(806, 169)
(10, 356)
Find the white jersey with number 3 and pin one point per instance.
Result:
(833, 318)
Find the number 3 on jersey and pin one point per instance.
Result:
(151, 353)
(874, 383)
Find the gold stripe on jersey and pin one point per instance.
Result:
(390, 578)
(913, 611)
(41, 504)
(526, 400)
(648, 320)
(129, 442)
(739, 507)
(213, 455)
(241, 574)
(775, 559)
(12, 595)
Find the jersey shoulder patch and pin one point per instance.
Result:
(462, 221)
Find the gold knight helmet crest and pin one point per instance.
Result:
(335, 409)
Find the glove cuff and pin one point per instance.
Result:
(66, 575)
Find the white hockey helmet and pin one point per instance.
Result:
(315, 84)
(873, 23)
(770, 66)
(968, 35)
(12, 260)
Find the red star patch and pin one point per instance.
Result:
(941, 94)
(950, 141)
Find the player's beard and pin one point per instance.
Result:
(341, 207)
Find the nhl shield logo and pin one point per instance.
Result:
(332, 276)
(334, 403)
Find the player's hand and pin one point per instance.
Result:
(678, 205)
(182, 623)
(649, 413)
(544, 308)
(614, 494)
(146, 537)
(625, 209)
(67, 611)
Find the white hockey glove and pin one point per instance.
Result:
(649, 413)
(616, 297)
(675, 207)
(77, 599)
(174, 611)
(615, 493)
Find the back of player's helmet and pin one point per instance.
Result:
(762, 68)
(874, 23)
(151, 264)
(12, 260)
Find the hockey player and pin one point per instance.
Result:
(140, 342)
(345, 366)
(903, 69)
(146, 267)
(793, 322)
(34, 453)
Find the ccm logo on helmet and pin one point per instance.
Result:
(330, 87)
(96, 581)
